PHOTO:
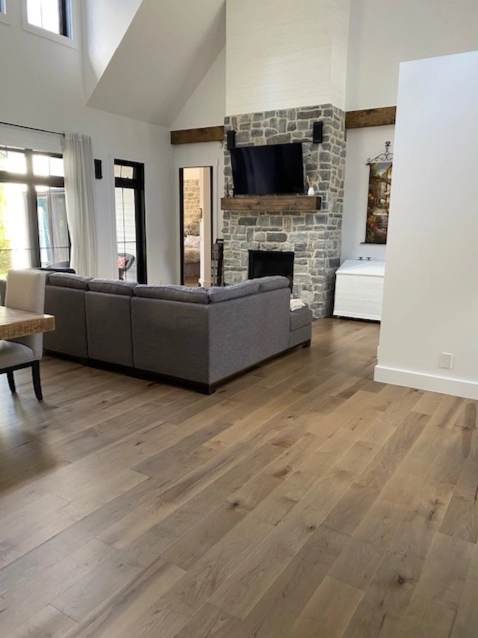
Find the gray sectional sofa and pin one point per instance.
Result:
(191, 335)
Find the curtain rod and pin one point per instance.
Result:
(31, 128)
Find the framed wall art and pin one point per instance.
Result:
(378, 204)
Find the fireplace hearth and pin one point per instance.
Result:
(263, 263)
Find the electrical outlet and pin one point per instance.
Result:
(446, 360)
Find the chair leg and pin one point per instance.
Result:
(11, 382)
(37, 380)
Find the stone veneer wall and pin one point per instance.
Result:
(192, 207)
(314, 237)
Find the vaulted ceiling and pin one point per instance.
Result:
(156, 54)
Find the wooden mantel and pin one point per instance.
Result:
(279, 203)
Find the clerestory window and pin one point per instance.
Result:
(51, 15)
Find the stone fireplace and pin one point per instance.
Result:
(313, 237)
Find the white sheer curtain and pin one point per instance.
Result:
(80, 203)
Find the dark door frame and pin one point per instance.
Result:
(137, 184)
(181, 213)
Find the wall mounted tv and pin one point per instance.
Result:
(277, 169)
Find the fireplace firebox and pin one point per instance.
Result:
(263, 263)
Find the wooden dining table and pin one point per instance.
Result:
(21, 323)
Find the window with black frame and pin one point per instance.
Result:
(130, 221)
(51, 15)
(33, 221)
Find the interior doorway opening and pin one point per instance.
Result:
(196, 225)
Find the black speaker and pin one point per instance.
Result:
(98, 169)
(231, 139)
(318, 132)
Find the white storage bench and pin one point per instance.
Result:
(359, 289)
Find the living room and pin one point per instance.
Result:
(327, 490)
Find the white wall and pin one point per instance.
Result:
(339, 24)
(206, 107)
(383, 34)
(361, 146)
(431, 292)
(42, 86)
(285, 54)
(164, 54)
(106, 22)
(193, 173)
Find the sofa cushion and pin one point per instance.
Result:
(173, 293)
(243, 289)
(112, 286)
(68, 307)
(300, 318)
(272, 283)
(65, 280)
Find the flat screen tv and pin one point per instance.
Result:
(277, 169)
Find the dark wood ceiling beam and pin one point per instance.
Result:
(198, 135)
(384, 116)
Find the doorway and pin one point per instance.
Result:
(196, 226)
(130, 221)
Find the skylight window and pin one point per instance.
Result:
(51, 15)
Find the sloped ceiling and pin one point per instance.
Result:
(164, 54)
(105, 24)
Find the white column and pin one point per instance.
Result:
(431, 293)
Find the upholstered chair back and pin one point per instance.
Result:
(26, 291)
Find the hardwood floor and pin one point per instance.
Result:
(301, 500)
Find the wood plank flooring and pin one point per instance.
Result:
(301, 500)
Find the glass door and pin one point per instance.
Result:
(130, 221)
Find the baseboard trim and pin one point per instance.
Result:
(429, 382)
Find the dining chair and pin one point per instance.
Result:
(25, 291)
